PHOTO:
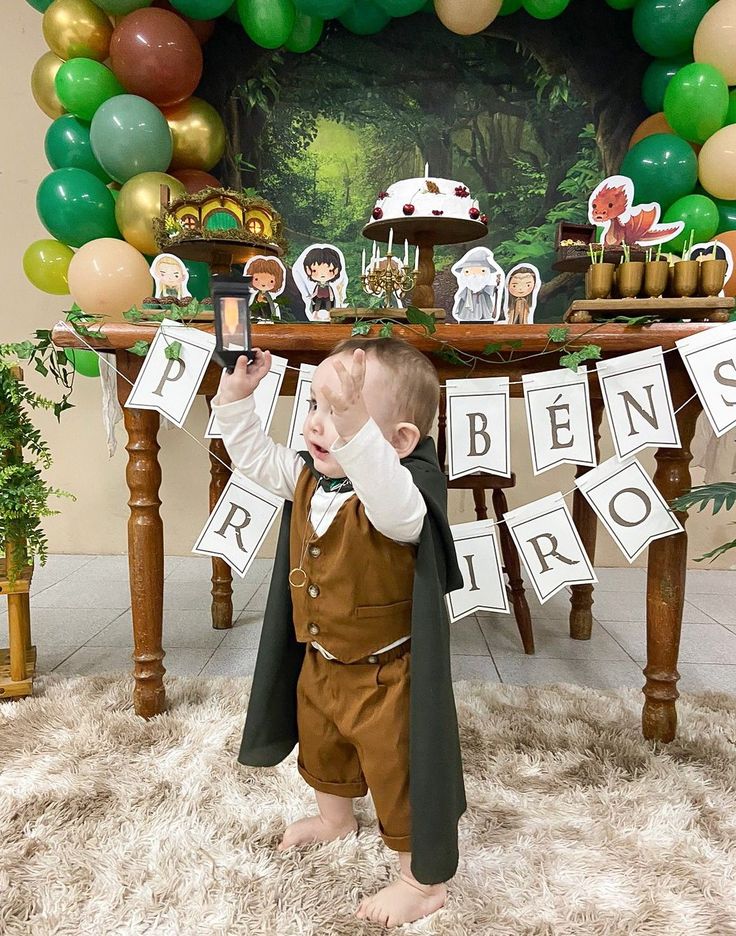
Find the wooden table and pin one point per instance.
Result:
(309, 344)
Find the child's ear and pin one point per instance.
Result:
(405, 439)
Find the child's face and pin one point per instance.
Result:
(169, 274)
(319, 430)
(264, 282)
(521, 284)
(321, 273)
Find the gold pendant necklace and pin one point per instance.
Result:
(299, 571)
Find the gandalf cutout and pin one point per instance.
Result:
(480, 280)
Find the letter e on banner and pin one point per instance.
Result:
(479, 559)
(301, 407)
(558, 418)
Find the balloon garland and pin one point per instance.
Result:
(119, 76)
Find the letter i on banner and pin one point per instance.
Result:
(169, 385)
(265, 397)
(629, 505)
(558, 418)
(301, 405)
(237, 527)
(549, 545)
(637, 398)
(710, 359)
(478, 426)
(484, 588)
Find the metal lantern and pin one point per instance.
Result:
(231, 301)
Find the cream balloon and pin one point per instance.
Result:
(715, 39)
(138, 203)
(108, 276)
(717, 164)
(467, 17)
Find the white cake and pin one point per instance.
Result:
(426, 198)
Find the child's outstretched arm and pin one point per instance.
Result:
(253, 452)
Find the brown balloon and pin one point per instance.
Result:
(43, 86)
(77, 29)
(155, 54)
(194, 180)
(202, 29)
(198, 134)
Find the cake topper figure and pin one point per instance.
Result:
(170, 276)
(612, 206)
(268, 282)
(480, 282)
(523, 283)
(321, 276)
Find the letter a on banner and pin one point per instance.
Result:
(478, 426)
(484, 588)
(240, 522)
(549, 545)
(637, 398)
(169, 385)
(301, 405)
(629, 505)
(558, 418)
(710, 359)
(265, 397)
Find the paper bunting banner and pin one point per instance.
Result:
(549, 545)
(628, 504)
(638, 404)
(478, 556)
(301, 403)
(237, 527)
(169, 385)
(478, 426)
(710, 359)
(265, 397)
(558, 418)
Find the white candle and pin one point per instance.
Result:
(416, 259)
(362, 264)
(406, 252)
(375, 250)
(390, 240)
(426, 170)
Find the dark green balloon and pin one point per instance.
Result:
(509, 6)
(232, 13)
(663, 168)
(726, 215)
(364, 18)
(324, 9)
(306, 33)
(731, 112)
(665, 28)
(545, 9)
(656, 78)
(201, 9)
(40, 5)
(267, 22)
(400, 7)
(76, 207)
(67, 146)
(622, 4)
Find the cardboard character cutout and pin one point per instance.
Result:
(170, 276)
(321, 276)
(269, 281)
(480, 282)
(713, 250)
(523, 283)
(612, 206)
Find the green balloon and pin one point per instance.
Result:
(67, 146)
(198, 283)
(364, 18)
(696, 102)
(667, 27)
(46, 264)
(545, 9)
(121, 7)
(663, 168)
(85, 363)
(726, 215)
(201, 9)
(83, 84)
(731, 112)
(400, 7)
(232, 13)
(700, 215)
(306, 33)
(509, 6)
(40, 5)
(656, 78)
(129, 135)
(622, 4)
(267, 22)
(75, 207)
(324, 9)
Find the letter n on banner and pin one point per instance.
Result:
(265, 396)
(629, 505)
(710, 359)
(549, 545)
(637, 398)
(301, 406)
(484, 588)
(240, 522)
(478, 426)
(558, 418)
(170, 385)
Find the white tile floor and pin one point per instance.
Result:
(80, 622)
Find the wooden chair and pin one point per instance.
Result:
(479, 484)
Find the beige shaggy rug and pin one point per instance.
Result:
(576, 826)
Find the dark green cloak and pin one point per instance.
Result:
(437, 792)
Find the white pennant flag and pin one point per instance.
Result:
(637, 398)
(237, 527)
(169, 385)
(710, 359)
(549, 545)
(478, 426)
(479, 559)
(265, 397)
(629, 505)
(301, 404)
(558, 418)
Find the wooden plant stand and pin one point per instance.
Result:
(18, 662)
(702, 309)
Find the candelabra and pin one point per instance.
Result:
(387, 276)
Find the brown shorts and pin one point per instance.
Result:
(353, 721)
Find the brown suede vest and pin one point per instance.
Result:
(358, 594)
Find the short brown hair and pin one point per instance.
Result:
(416, 381)
(271, 267)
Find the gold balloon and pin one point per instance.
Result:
(467, 17)
(198, 134)
(43, 85)
(77, 28)
(138, 203)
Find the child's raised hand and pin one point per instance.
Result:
(349, 413)
(244, 378)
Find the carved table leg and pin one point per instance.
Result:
(222, 574)
(584, 518)
(513, 569)
(145, 556)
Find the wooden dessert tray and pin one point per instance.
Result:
(697, 309)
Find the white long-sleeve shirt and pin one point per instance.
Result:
(392, 502)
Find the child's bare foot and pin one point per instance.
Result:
(316, 829)
(404, 901)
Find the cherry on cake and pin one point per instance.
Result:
(427, 198)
